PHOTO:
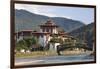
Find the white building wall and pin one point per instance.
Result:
(56, 44)
(55, 31)
(20, 38)
(53, 46)
(41, 30)
(49, 38)
(42, 41)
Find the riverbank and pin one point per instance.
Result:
(76, 52)
(49, 53)
(35, 54)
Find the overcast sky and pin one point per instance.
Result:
(85, 15)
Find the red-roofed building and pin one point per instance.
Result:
(47, 30)
(50, 27)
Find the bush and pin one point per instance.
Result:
(25, 43)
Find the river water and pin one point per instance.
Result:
(53, 59)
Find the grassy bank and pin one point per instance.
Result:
(36, 54)
(48, 53)
(75, 52)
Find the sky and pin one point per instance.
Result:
(85, 15)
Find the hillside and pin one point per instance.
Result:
(85, 32)
(30, 21)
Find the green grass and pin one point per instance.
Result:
(46, 53)
(36, 54)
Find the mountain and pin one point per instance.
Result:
(30, 21)
(85, 33)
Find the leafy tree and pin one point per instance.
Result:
(34, 40)
(21, 45)
(56, 40)
(25, 43)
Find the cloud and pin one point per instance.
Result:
(38, 9)
(85, 15)
(42, 10)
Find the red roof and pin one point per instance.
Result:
(49, 23)
(40, 33)
(26, 31)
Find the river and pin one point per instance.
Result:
(53, 59)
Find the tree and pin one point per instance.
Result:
(25, 43)
(21, 45)
(34, 40)
(56, 40)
